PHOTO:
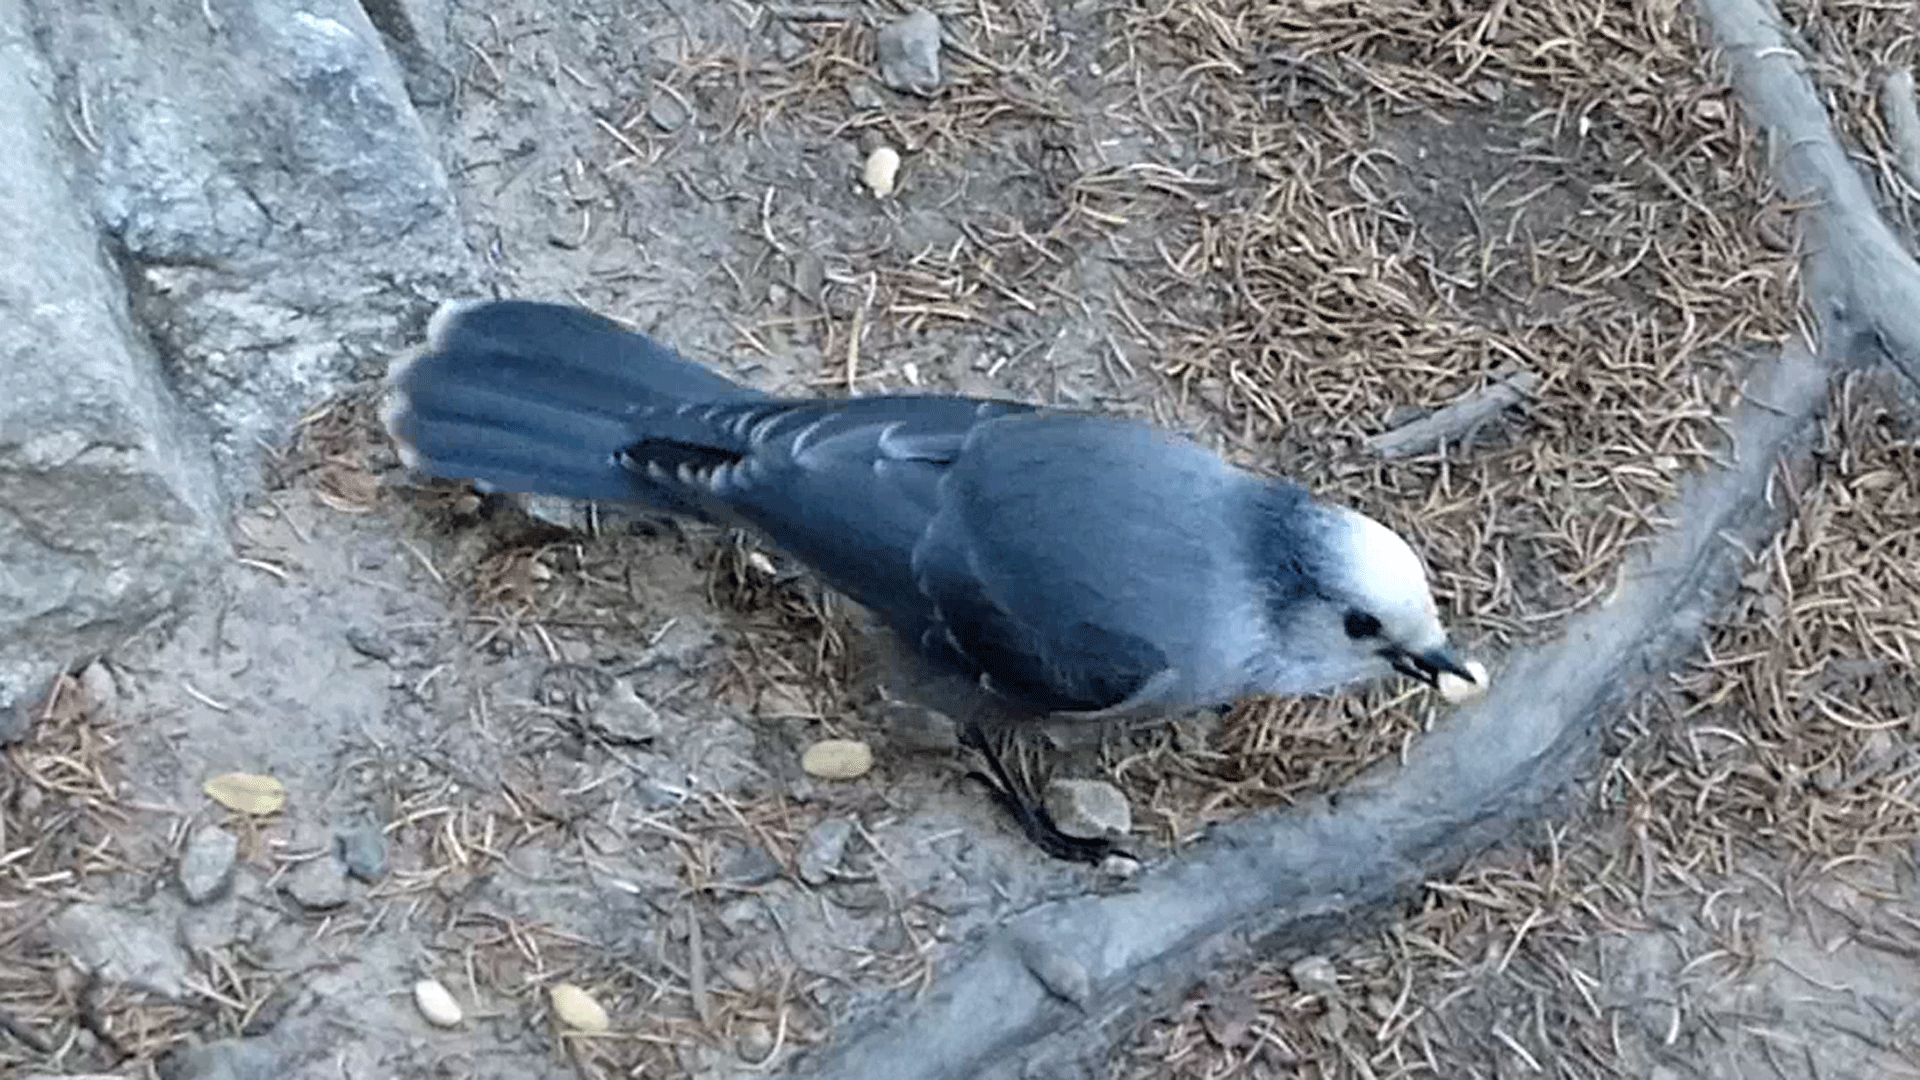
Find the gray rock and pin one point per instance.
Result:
(787, 45)
(16, 713)
(667, 113)
(271, 191)
(102, 692)
(910, 52)
(111, 514)
(623, 717)
(124, 945)
(362, 849)
(1088, 809)
(1063, 976)
(752, 867)
(861, 95)
(369, 643)
(206, 866)
(825, 846)
(912, 727)
(317, 884)
(753, 1041)
(207, 929)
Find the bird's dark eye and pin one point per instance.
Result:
(1362, 625)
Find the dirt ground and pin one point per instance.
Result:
(1283, 227)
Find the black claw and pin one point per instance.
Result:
(1033, 819)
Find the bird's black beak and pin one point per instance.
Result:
(1427, 666)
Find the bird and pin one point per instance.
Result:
(1051, 563)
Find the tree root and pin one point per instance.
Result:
(1864, 285)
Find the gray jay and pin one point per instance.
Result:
(1062, 563)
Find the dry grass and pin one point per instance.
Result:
(1591, 219)
(65, 838)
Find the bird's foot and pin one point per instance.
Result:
(1031, 816)
(1039, 827)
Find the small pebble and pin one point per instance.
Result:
(838, 759)
(1062, 975)
(436, 1003)
(754, 1042)
(863, 96)
(102, 691)
(626, 718)
(909, 52)
(16, 718)
(369, 643)
(1315, 975)
(1088, 809)
(206, 866)
(825, 846)
(667, 113)
(577, 1009)
(1456, 689)
(753, 867)
(883, 167)
(317, 884)
(363, 850)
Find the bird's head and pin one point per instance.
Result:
(1386, 607)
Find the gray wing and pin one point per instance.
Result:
(1076, 563)
(847, 485)
(1069, 562)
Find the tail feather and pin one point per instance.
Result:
(540, 398)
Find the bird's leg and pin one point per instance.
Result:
(1031, 816)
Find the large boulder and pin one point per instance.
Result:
(215, 216)
(282, 222)
(108, 508)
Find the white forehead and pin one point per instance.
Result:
(1387, 576)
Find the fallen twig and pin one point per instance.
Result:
(1454, 421)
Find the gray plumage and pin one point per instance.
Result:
(1066, 562)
